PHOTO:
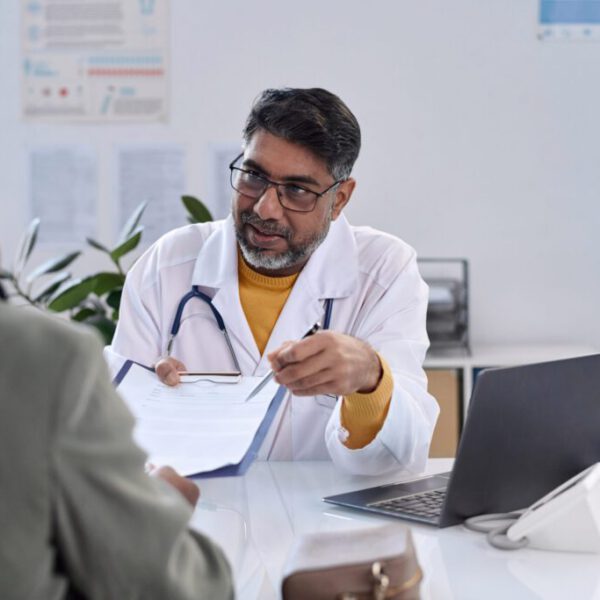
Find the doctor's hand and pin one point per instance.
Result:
(168, 369)
(186, 488)
(327, 363)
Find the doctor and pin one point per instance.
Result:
(240, 294)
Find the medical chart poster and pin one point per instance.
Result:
(94, 60)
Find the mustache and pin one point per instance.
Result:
(266, 227)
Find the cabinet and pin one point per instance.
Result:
(452, 374)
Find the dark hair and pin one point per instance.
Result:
(313, 118)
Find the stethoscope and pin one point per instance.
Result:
(196, 293)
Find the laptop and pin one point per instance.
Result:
(528, 429)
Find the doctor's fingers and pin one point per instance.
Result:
(336, 380)
(168, 369)
(295, 352)
(275, 356)
(296, 374)
(326, 373)
(313, 384)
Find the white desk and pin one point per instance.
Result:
(256, 518)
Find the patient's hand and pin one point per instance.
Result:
(188, 489)
(168, 370)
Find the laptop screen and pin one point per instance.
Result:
(528, 429)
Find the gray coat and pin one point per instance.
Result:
(77, 513)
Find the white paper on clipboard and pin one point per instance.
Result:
(195, 427)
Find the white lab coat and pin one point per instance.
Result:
(378, 295)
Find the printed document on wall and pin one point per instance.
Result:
(221, 155)
(98, 61)
(62, 191)
(154, 174)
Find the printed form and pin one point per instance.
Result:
(197, 426)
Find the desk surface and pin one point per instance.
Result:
(256, 518)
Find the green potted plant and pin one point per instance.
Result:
(93, 299)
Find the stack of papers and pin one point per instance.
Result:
(197, 426)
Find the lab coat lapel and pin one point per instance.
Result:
(331, 272)
(216, 269)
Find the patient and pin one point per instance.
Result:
(78, 516)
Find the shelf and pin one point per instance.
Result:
(503, 355)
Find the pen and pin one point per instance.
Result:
(271, 373)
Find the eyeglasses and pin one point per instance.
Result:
(291, 196)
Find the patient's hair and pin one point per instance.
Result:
(313, 118)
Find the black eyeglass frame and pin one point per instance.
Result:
(276, 184)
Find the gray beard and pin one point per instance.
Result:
(258, 259)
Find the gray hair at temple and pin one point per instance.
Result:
(313, 118)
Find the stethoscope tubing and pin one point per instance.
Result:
(196, 293)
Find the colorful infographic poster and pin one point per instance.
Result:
(94, 60)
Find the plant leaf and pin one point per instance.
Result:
(104, 325)
(26, 246)
(114, 299)
(127, 245)
(106, 282)
(51, 286)
(53, 265)
(198, 213)
(97, 245)
(132, 223)
(72, 295)
(83, 314)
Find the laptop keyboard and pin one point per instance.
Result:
(424, 504)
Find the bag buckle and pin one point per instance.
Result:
(382, 582)
(381, 586)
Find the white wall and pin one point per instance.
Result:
(479, 141)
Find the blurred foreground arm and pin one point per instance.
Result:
(78, 514)
(113, 521)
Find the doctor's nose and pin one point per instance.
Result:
(268, 205)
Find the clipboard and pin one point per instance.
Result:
(224, 377)
(241, 467)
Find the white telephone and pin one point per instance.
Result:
(566, 520)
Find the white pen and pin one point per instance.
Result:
(271, 373)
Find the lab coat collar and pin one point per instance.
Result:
(216, 264)
(331, 272)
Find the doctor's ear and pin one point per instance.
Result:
(342, 196)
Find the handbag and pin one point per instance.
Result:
(366, 564)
